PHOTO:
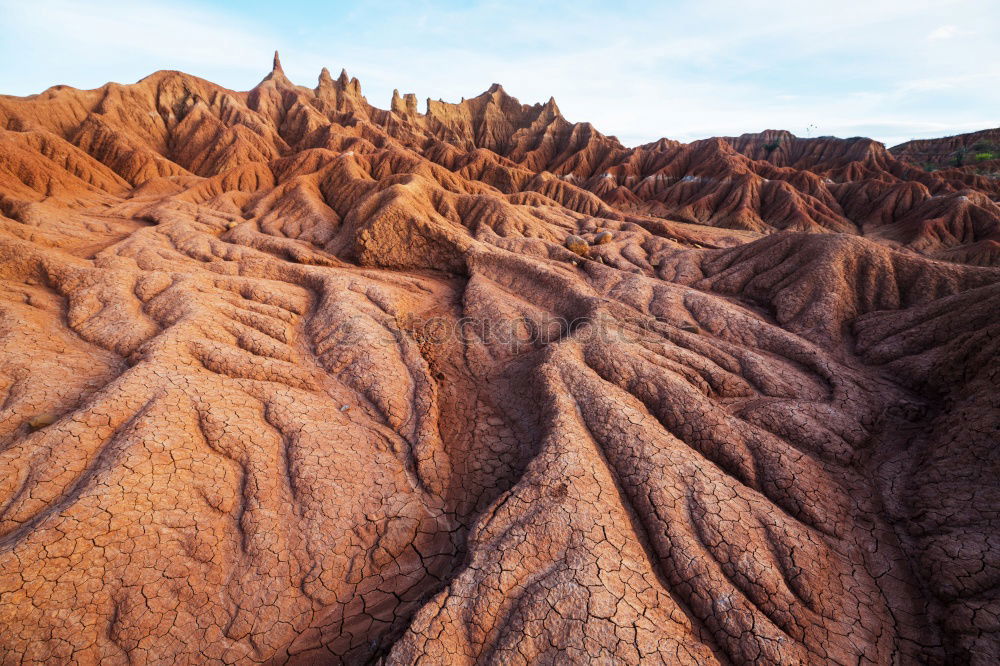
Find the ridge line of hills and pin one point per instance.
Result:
(169, 127)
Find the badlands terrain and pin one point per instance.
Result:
(290, 378)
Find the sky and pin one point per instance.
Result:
(889, 69)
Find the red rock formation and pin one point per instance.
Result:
(950, 150)
(291, 378)
(972, 160)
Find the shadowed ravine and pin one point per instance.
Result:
(290, 378)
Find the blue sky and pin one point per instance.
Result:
(889, 69)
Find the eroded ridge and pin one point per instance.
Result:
(288, 378)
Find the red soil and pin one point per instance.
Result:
(287, 377)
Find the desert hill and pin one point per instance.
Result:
(288, 377)
(961, 150)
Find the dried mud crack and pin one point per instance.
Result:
(288, 378)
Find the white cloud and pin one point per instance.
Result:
(944, 32)
(171, 34)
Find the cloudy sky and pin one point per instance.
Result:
(889, 69)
